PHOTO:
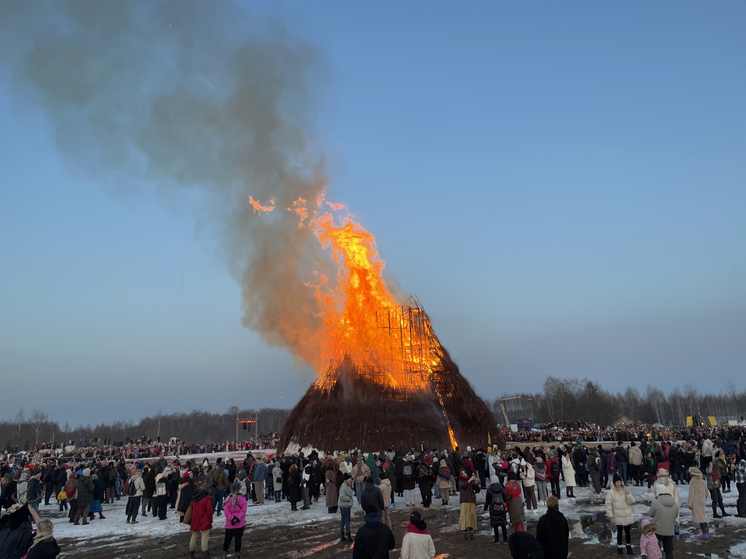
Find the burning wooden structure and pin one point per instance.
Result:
(409, 394)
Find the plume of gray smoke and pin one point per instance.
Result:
(193, 99)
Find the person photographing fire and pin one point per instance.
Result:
(468, 488)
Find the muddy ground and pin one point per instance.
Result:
(591, 537)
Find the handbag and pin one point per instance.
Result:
(188, 515)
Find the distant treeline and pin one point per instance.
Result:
(585, 400)
(196, 427)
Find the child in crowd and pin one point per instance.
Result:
(649, 546)
(62, 499)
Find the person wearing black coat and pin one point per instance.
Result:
(374, 539)
(525, 546)
(60, 478)
(294, 494)
(48, 478)
(371, 495)
(494, 502)
(553, 532)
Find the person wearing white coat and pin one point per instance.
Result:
(528, 475)
(417, 542)
(619, 503)
(569, 472)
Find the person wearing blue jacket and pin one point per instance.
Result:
(257, 478)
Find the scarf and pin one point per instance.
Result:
(41, 536)
(414, 529)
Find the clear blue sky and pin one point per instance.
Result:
(562, 184)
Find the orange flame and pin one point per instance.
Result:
(259, 209)
(360, 316)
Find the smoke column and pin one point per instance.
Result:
(197, 100)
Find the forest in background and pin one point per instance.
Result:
(196, 427)
(560, 400)
(584, 400)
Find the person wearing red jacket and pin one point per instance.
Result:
(201, 522)
(553, 475)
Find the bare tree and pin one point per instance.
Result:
(37, 420)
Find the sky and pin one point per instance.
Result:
(561, 184)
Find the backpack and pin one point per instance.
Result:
(497, 506)
(407, 470)
(131, 489)
(555, 468)
(599, 464)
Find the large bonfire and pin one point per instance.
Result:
(384, 380)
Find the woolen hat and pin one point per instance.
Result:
(694, 471)
(87, 472)
(662, 472)
(617, 477)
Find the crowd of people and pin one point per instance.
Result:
(514, 481)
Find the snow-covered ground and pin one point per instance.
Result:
(586, 515)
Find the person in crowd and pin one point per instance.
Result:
(330, 486)
(619, 503)
(635, 461)
(738, 467)
(185, 494)
(294, 493)
(622, 461)
(528, 476)
(16, 530)
(374, 539)
(554, 468)
(35, 491)
(62, 499)
(47, 477)
(148, 478)
(44, 546)
(235, 519)
(409, 475)
(664, 511)
(467, 521)
(99, 491)
(515, 502)
(713, 485)
(306, 481)
(697, 501)
(495, 503)
(553, 531)
(664, 484)
(595, 465)
(648, 469)
(649, 544)
(425, 480)
(417, 542)
(386, 492)
(257, 479)
(85, 497)
(277, 480)
(371, 495)
(480, 465)
(201, 522)
(219, 481)
(345, 502)
(540, 479)
(360, 472)
(443, 481)
(160, 496)
(569, 473)
(523, 545)
(135, 489)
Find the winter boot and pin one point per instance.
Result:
(342, 537)
(191, 554)
(471, 534)
(466, 535)
(705, 536)
(206, 554)
(349, 537)
(620, 550)
(101, 516)
(630, 551)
